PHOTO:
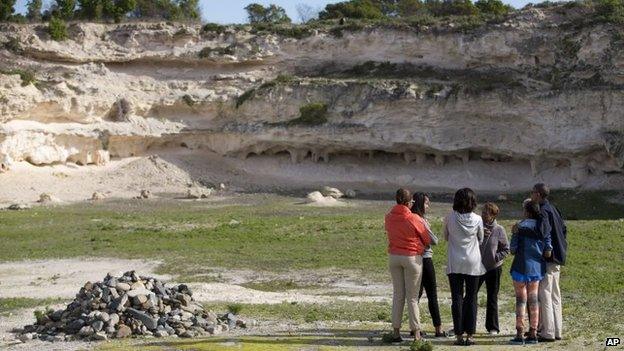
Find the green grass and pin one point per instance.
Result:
(277, 235)
(15, 303)
(278, 285)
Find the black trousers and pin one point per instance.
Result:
(464, 306)
(428, 283)
(492, 285)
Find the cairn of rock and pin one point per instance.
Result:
(120, 307)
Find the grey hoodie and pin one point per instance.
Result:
(464, 234)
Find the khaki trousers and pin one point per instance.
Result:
(406, 274)
(551, 319)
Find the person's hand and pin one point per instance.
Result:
(487, 232)
(514, 229)
(547, 253)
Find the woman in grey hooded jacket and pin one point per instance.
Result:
(463, 230)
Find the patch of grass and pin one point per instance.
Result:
(208, 51)
(312, 312)
(284, 30)
(27, 76)
(278, 285)
(313, 114)
(249, 94)
(15, 303)
(235, 308)
(13, 45)
(188, 100)
(281, 237)
(421, 345)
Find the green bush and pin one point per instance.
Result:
(235, 308)
(451, 8)
(493, 7)
(13, 45)
(288, 30)
(611, 11)
(270, 14)
(213, 28)
(364, 9)
(28, 77)
(249, 94)
(311, 115)
(188, 100)
(207, 51)
(421, 345)
(57, 29)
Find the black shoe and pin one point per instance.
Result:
(397, 339)
(443, 334)
(517, 341)
(531, 341)
(541, 339)
(557, 338)
(459, 342)
(469, 342)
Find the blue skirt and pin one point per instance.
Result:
(523, 278)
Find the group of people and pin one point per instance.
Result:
(477, 246)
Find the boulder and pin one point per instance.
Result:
(332, 192)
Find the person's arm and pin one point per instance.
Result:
(546, 229)
(503, 245)
(513, 247)
(432, 236)
(480, 232)
(421, 231)
(445, 228)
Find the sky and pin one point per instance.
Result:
(232, 11)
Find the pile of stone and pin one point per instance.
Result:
(120, 307)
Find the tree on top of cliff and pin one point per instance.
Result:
(257, 13)
(178, 10)
(7, 8)
(34, 10)
(494, 7)
(64, 9)
(367, 9)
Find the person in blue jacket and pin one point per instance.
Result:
(529, 247)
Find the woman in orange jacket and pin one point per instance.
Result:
(407, 239)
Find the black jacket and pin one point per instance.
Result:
(553, 223)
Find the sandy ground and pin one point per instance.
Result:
(171, 173)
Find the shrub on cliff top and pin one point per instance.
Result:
(57, 29)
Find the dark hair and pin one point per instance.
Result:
(532, 209)
(419, 203)
(403, 197)
(542, 189)
(491, 209)
(465, 200)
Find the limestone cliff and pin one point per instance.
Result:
(496, 107)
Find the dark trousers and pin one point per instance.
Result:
(428, 283)
(492, 285)
(464, 306)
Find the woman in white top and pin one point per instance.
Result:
(463, 230)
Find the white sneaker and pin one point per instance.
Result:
(493, 332)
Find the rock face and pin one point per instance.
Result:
(496, 107)
(119, 307)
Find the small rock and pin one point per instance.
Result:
(98, 196)
(161, 334)
(47, 198)
(26, 337)
(123, 286)
(332, 192)
(97, 325)
(100, 336)
(123, 332)
(350, 194)
(86, 331)
(145, 194)
(150, 322)
(19, 207)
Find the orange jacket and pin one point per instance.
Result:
(407, 233)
